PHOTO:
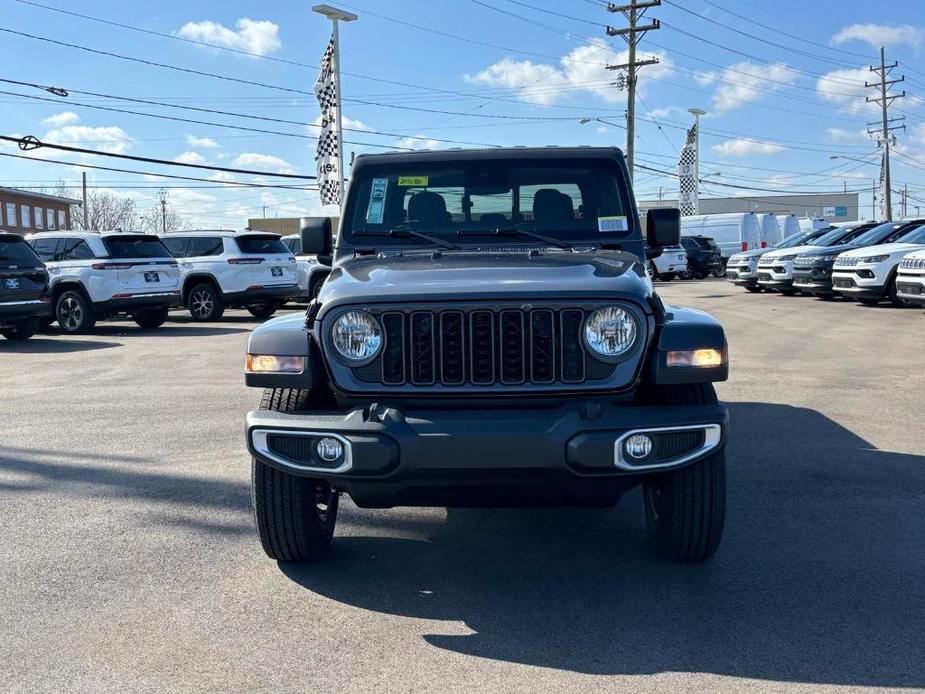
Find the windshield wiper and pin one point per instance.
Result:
(517, 231)
(405, 230)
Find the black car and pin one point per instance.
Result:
(488, 336)
(812, 270)
(703, 257)
(24, 297)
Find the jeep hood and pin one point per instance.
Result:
(464, 275)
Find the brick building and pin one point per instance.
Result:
(23, 212)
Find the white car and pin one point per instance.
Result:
(742, 269)
(869, 274)
(96, 275)
(311, 273)
(775, 268)
(238, 269)
(910, 278)
(671, 263)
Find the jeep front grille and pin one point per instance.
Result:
(483, 347)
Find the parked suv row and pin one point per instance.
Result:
(236, 269)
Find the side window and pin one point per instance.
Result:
(76, 249)
(200, 246)
(11, 220)
(39, 217)
(45, 249)
(26, 212)
(49, 219)
(294, 246)
(176, 245)
(62, 219)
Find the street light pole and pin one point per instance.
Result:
(336, 15)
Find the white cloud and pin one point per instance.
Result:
(602, 129)
(61, 119)
(191, 158)
(882, 35)
(840, 135)
(741, 148)
(669, 112)
(262, 161)
(746, 82)
(253, 36)
(583, 70)
(846, 89)
(201, 142)
(917, 134)
(705, 78)
(107, 138)
(418, 141)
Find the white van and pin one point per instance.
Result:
(789, 225)
(812, 224)
(732, 232)
(770, 230)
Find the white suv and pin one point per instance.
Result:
(869, 274)
(671, 263)
(311, 273)
(910, 280)
(94, 275)
(238, 269)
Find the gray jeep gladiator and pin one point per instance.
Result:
(488, 336)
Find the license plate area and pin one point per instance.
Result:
(152, 276)
(276, 271)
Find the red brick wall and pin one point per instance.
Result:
(18, 202)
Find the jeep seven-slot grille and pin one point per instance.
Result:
(483, 347)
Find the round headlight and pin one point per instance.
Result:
(357, 336)
(610, 331)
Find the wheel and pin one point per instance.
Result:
(719, 272)
(295, 516)
(316, 286)
(754, 290)
(264, 309)
(152, 318)
(701, 275)
(868, 302)
(205, 303)
(895, 300)
(686, 275)
(23, 331)
(74, 313)
(686, 508)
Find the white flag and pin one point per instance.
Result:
(688, 191)
(326, 153)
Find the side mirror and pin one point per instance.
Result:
(663, 227)
(316, 238)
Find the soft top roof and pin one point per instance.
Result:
(492, 153)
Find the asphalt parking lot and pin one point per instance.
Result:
(128, 560)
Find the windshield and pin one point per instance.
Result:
(567, 200)
(261, 244)
(135, 247)
(17, 253)
(877, 234)
(793, 239)
(914, 235)
(839, 234)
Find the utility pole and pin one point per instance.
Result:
(162, 194)
(873, 201)
(632, 34)
(884, 98)
(905, 199)
(83, 177)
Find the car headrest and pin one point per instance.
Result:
(552, 207)
(428, 209)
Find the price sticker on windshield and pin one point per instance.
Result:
(376, 209)
(608, 224)
(409, 181)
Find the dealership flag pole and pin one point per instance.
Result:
(329, 153)
(689, 169)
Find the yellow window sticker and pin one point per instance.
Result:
(408, 181)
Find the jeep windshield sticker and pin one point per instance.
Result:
(376, 209)
(605, 224)
(408, 181)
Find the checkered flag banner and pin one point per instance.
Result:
(883, 190)
(328, 148)
(688, 192)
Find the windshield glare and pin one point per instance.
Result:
(567, 200)
(915, 235)
(877, 234)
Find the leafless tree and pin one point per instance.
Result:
(106, 210)
(153, 222)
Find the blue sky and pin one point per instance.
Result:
(783, 89)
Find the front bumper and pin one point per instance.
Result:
(14, 312)
(814, 281)
(742, 274)
(568, 455)
(850, 284)
(911, 288)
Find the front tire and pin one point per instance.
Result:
(74, 314)
(295, 516)
(895, 300)
(264, 309)
(686, 508)
(23, 331)
(205, 303)
(152, 318)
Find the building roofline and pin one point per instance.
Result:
(40, 196)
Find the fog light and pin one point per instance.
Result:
(267, 363)
(329, 449)
(697, 357)
(638, 446)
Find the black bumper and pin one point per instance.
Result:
(14, 312)
(912, 292)
(255, 296)
(142, 302)
(813, 282)
(734, 277)
(505, 456)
